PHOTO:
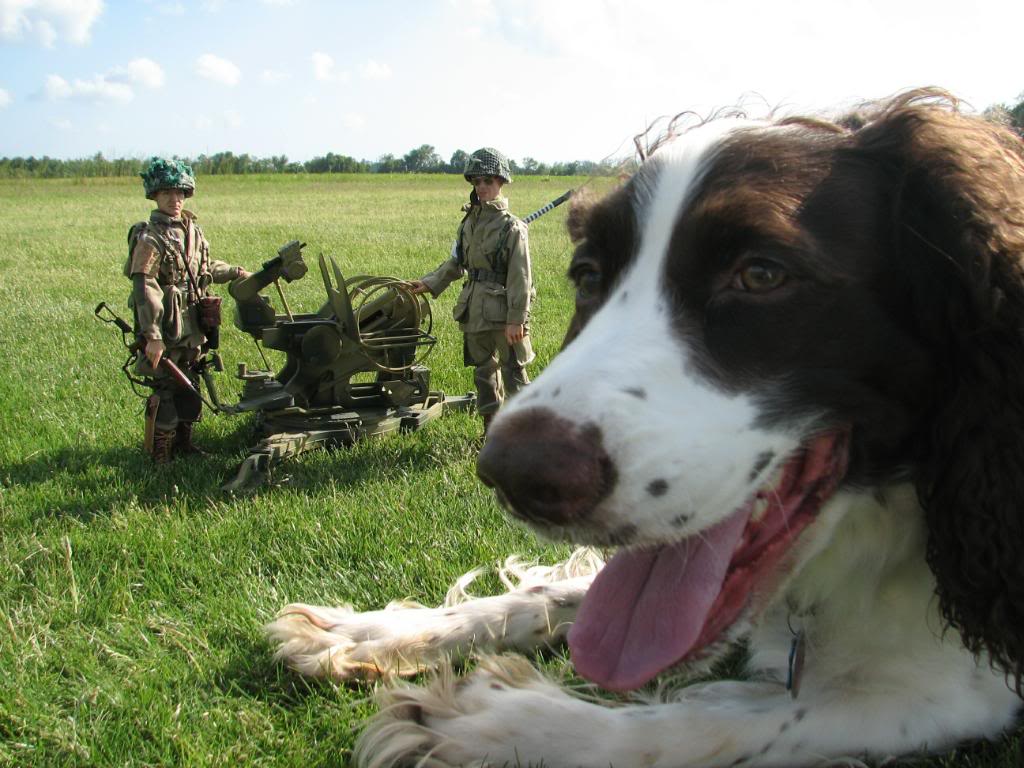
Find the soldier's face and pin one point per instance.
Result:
(487, 187)
(169, 201)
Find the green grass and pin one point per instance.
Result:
(131, 598)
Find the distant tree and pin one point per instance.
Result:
(1017, 115)
(332, 163)
(222, 162)
(458, 162)
(423, 159)
(529, 166)
(388, 164)
(1011, 117)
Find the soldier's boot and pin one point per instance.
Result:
(162, 449)
(152, 405)
(183, 440)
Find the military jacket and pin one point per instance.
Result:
(496, 260)
(163, 294)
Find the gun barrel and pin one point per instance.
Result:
(287, 264)
(549, 207)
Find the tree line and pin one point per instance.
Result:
(422, 159)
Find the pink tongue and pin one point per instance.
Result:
(646, 608)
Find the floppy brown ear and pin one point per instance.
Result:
(958, 232)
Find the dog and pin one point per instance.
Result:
(792, 400)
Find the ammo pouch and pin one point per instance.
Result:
(209, 312)
(208, 315)
(494, 306)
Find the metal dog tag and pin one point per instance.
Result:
(796, 663)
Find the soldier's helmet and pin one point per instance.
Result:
(162, 173)
(488, 161)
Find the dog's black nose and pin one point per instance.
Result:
(545, 468)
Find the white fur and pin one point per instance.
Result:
(406, 638)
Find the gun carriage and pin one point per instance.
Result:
(320, 397)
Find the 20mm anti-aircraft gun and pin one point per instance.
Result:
(353, 369)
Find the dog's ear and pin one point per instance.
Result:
(958, 232)
(580, 206)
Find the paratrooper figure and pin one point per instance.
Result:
(492, 252)
(176, 318)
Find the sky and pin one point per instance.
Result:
(555, 80)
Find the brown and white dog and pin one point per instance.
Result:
(792, 397)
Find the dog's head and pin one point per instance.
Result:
(765, 313)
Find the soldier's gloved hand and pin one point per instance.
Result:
(155, 351)
(514, 333)
(417, 286)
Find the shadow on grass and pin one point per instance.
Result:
(253, 675)
(86, 482)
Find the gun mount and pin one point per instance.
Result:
(352, 369)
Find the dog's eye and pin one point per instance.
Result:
(759, 276)
(588, 282)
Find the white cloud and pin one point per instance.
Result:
(114, 86)
(48, 20)
(217, 69)
(62, 124)
(373, 70)
(5, 98)
(324, 69)
(229, 118)
(273, 76)
(56, 87)
(146, 72)
(45, 32)
(98, 88)
(176, 9)
(323, 66)
(353, 121)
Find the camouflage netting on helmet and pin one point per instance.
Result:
(162, 173)
(488, 161)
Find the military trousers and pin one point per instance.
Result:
(177, 404)
(499, 369)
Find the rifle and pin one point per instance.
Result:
(549, 207)
(138, 344)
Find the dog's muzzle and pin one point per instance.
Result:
(546, 469)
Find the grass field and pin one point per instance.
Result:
(132, 598)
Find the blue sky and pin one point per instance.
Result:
(550, 79)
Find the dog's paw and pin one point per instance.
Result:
(346, 645)
(504, 714)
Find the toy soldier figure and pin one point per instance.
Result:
(175, 317)
(492, 251)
